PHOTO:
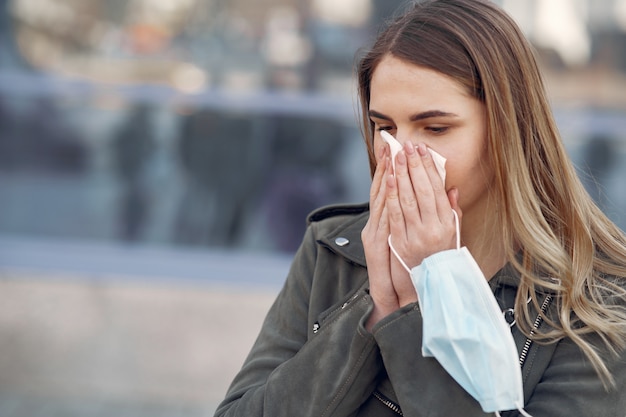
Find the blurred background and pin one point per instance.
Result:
(158, 159)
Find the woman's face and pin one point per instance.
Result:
(424, 106)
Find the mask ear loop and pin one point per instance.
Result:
(458, 242)
(458, 229)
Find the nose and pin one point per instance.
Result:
(404, 136)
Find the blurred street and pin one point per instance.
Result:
(74, 347)
(86, 342)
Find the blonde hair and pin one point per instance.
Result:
(557, 238)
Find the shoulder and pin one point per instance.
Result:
(337, 212)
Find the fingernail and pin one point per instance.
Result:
(421, 149)
(409, 148)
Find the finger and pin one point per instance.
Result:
(377, 192)
(402, 284)
(383, 227)
(380, 168)
(420, 183)
(406, 191)
(397, 227)
(440, 205)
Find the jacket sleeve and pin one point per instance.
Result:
(289, 373)
(423, 388)
(568, 386)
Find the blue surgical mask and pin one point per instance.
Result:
(464, 329)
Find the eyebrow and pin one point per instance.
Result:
(417, 116)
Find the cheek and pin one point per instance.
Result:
(470, 174)
(467, 159)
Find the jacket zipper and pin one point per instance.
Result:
(536, 324)
(317, 325)
(390, 404)
(522, 358)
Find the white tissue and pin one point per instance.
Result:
(395, 147)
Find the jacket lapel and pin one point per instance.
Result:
(345, 240)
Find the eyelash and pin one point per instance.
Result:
(437, 130)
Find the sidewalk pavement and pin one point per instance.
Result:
(73, 346)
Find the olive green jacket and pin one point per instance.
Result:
(314, 357)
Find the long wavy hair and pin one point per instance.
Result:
(552, 227)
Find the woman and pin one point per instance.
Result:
(343, 338)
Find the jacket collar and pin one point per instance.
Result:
(345, 239)
(507, 276)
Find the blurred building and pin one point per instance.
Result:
(88, 86)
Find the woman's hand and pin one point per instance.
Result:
(374, 237)
(421, 221)
(413, 207)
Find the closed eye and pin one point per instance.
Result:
(438, 129)
(380, 127)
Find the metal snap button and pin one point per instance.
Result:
(509, 316)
